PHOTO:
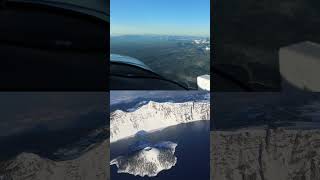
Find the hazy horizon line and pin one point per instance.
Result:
(150, 34)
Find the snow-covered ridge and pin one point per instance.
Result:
(154, 115)
(29, 166)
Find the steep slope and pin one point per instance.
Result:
(272, 154)
(28, 166)
(154, 116)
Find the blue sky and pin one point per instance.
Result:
(169, 17)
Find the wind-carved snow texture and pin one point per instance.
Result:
(271, 154)
(154, 115)
(146, 159)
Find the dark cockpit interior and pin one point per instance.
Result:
(44, 47)
(131, 77)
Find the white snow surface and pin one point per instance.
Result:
(154, 115)
(148, 161)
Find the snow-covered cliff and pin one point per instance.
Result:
(154, 115)
(272, 154)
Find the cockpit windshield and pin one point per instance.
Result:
(174, 45)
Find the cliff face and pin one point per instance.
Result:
(265, 155)
(154, 116)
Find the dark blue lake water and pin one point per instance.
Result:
(192, 152)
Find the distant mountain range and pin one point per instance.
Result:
(159, 37)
